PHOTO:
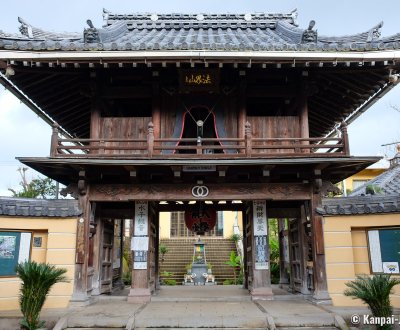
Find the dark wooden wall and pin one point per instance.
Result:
(123, 128)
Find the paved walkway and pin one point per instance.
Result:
(218, 307)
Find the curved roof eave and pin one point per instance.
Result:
(201, 55)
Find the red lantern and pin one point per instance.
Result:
(200, 220)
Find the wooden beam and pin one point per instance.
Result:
(216, 192)
(126, 92)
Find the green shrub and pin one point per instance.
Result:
(37, 280)
(227, 282)
(169, 281)
(375, 292)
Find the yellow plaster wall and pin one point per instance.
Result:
(229, 220)
(58, 248)
(366, 174)
(346, 252)
(165, 225)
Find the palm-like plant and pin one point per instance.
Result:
(375, 292)
(37, 280)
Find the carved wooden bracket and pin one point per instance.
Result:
(82, 183)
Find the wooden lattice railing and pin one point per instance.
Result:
(205, 148)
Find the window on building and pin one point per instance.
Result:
(384, 250)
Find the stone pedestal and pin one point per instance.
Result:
(138, 296)
(262, 293)
(199, 270)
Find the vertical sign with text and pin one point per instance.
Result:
(140, 234)
(261, 251)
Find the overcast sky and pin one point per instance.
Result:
(24, 134)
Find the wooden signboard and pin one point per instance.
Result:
(199, 80)
(260, 235)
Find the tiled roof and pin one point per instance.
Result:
(387, 183)
(360, 205)
(219, 32)
(39, 207)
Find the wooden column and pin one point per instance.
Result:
(241, 111)
(95, 113)
(261, 282)
(157, 250)
(304, 246)
(319, 266)
(156, 108)
(283, 264)
(80, 295)
(303, 116)
(140, 291)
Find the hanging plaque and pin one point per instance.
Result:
(192, 80)
(260, 228)
(141, 218)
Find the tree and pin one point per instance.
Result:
(375, 292)
(37, 280)
(37, 188)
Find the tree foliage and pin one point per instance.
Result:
(36, 188)
(375, 292)
(37, 280)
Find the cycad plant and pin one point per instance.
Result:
(37, 280)
(375, 292)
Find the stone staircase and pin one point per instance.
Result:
(180, 253)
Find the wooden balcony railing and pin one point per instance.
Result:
(205, 148)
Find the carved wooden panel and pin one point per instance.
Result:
(158, 192)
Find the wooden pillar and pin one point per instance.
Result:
(319, 266)
(261, 282)
(242, 111)
(283, 246)
(157, 250)
(156, 108)
(140, 290)
(345, 139)
(95, 113)
(54, 140)
(80, 295)
(303, 116)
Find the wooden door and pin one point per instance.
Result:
(295, 253)
(106, 265)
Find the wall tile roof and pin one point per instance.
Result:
(227, 32)
(360, 205)
(27, 207)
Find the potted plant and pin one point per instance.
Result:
(235, 262)
(209, 268)
(188, 268)
(163, 250)
(375, 292)
(37, 280)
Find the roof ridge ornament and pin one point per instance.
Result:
(91, 34)
(310, 35)
(375, 32)
(25, 28)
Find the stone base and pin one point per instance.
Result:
(321, 298)
(80, 300)
(263, 293)
(139, 296)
